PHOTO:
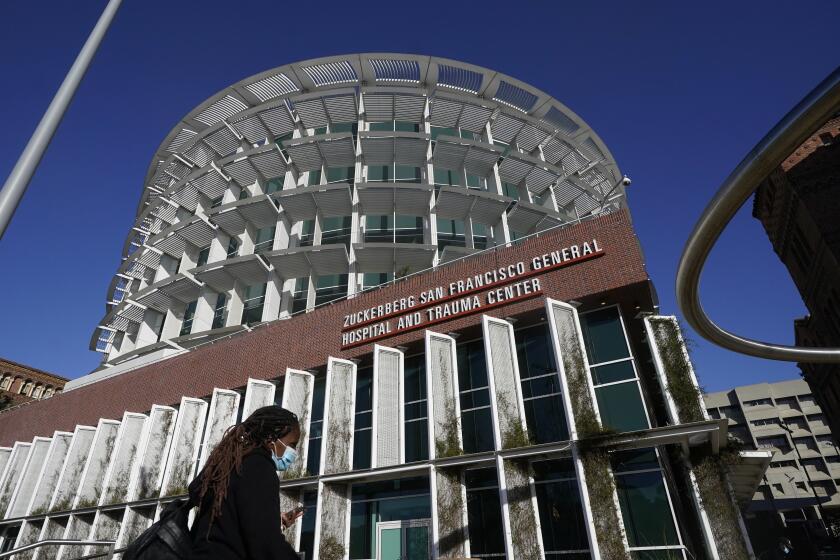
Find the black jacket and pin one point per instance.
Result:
(249, 527)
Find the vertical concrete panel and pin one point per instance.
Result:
(118, 476)
(578, 394)
(258, 393)
(72, 469)
(224, 406)
(445, 437)
(505, 387)
(449, 513)
(388, 437)
(339, 417)
(520, 517)
(332, 528)
(28, 478)
(96, 467)
(148, 469)
(5, 455)
(50, 473)
(297, 398)
(183, 453)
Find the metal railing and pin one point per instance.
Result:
(62, 542)
(800, 123)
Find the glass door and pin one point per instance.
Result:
(403, 540)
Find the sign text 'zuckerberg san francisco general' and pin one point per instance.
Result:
(479, 292)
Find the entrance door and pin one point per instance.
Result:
(403, 540)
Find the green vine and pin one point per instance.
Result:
(447, 444)
(710, 473)
(586, 422)
(514, 434)
(601, 488)
(450, 511)
(330, 549)
(675, 362)
(523, 523)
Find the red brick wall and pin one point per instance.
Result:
(307, 340)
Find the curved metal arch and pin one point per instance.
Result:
(800, 123)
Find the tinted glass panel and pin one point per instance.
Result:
(484, 513)
(477, 428)
(546, 419)
(617, 371)
(645, 509)
(603, 335)
(621, 407)
(534, 351)
(561, 516)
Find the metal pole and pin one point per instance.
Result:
(28, 162)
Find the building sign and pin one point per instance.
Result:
(474, 294)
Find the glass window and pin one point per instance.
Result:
(189, 314)
(203, 255)
(476, 419)
(621, 407)
(378, 173)
(416, 411)
(264, 240)
(511, 190)
(319, 130)
(338, 128)
(561, 515)
(481, 233)
(644, 500)
(314, 177)
(233, 247)
(280, 139)
(616, 371)
(476, 182)
(450, 232)
(386, 126)
(330, 287)
(274, 185)
(384, 501)
(443, 131)
(316, 425)
(307, 523)
(300, 295)
(447, 177)
(407, 174)
(307, 233)
(409, 229)
(220, 311)
(252, 305)
(216, 202)
(603, 335)
(484, 513)
(544, 413)
(379, 228)
(336, 231)
(341, 174)
(372, 279)
(404, 126)
(243, 194)
(364, 419)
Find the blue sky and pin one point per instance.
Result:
(678, 93)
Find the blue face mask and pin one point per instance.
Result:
(284, 462)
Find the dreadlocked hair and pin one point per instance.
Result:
(265, 425)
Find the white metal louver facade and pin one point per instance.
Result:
(220, 196)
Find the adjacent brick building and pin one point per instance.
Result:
(20, 383)
(799, 205)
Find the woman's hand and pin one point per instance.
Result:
(289, 517)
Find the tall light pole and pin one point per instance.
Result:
(28, 162)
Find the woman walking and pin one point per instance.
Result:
(238, 491)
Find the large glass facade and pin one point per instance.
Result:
(484, 514)
(613, 370)
(649, 523)
(363, 428)
(476, 416)
(416, 409)
(316, 426)
(541, 389)
(336, 231)
(253, 301)
(561, 514)
(376, 502)
(330, 287)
